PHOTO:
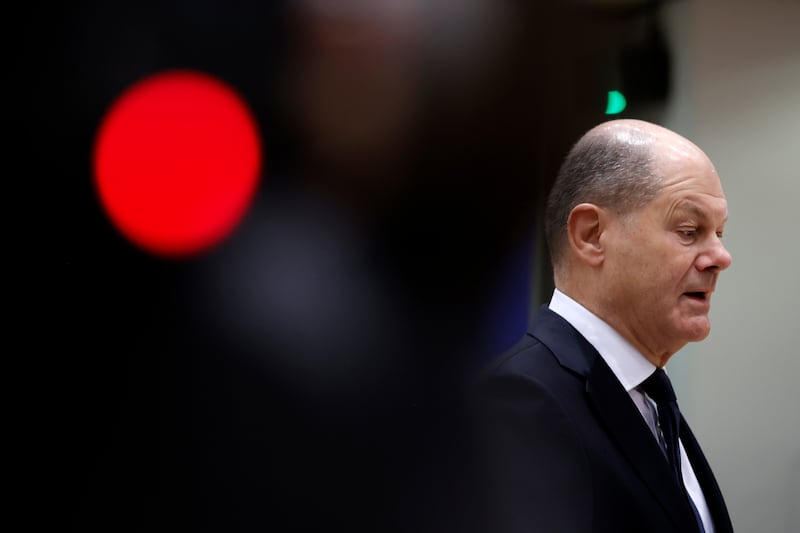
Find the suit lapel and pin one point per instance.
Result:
(618, 413)
(711, 490)
(627, 428)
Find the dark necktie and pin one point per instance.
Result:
(659, 388)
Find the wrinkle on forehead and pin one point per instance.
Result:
(692, 171)
(713, 209)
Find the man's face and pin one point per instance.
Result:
(663, 260)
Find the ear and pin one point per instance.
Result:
(585, 226)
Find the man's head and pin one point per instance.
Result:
(633, 223)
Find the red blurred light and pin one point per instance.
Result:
(177, 160)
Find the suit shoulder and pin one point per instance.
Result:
(525, 357)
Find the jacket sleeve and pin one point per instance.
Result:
(537, 473)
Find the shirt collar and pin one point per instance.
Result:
(626, 362)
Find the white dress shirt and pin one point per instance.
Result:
(631, 368)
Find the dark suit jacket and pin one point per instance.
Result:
(568, 449)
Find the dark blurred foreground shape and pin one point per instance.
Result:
(307, 374)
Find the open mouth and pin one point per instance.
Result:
(696, 295)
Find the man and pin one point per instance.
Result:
(578, 439)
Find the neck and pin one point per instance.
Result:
(593, 303)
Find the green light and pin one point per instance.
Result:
(616, 103)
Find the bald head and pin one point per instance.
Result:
(615, 165)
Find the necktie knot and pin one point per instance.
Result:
(659, 387)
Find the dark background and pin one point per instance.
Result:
(307, 373)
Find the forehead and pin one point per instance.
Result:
(693, 195)
(699, 209)
(682, 165)
(690, 184)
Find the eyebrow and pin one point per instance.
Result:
(691, 207)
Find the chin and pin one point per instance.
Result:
(692, 329)
(698, 332)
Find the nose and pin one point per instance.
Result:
(717, 257)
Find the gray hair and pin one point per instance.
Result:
(610, 168)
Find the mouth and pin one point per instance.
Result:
(698, 295)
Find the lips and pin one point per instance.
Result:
(698, 295)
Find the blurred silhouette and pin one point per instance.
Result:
(306, 373)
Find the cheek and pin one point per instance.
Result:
(651, 275)
(668, 266)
